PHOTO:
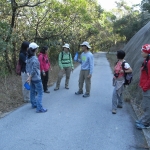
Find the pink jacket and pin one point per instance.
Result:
(44, 62)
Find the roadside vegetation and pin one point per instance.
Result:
(55, 22)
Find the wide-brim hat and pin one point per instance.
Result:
(66, 46)
(85, 43)
(146, 48)
(33, 45)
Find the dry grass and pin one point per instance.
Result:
(11, 90)
(10, 93)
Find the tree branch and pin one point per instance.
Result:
(26, 4)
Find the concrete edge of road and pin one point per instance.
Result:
(146, 132)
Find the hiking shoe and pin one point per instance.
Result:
(41, 111)
(46, 91)
(86, 95)
(56, 89)
(66, 87)
(114, 111)
(79, 92)
(138, 122)
(142, 126)
(34, 107)
(119, 106)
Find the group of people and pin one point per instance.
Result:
(35, 69)
(118, 83)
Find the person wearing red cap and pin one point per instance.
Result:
(144, 121)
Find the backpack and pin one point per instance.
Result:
(18, 68)
(127, 76)
(62, 54)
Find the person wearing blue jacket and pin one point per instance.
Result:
(34, 78)
(87, 65)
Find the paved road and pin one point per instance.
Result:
(73, 122)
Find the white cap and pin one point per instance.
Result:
(86, 44)
(66, 45)
(33, 45)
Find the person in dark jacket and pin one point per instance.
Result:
(144, 121)
(23, 60)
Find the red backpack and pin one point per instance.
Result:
(18, 68)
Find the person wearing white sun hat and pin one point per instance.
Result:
(66, 65)
(87, 65)
(34, 78)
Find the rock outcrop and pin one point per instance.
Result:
(133, 49)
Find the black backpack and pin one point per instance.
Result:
(62, 55)
(127, 76)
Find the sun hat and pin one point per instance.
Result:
(66, 46)
(85, 43)
(33, 45)
(146, 48)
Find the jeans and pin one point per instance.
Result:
(26, 93)
(36, 87)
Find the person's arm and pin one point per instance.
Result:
(31, 70)
(127, 69)
(59, 60)
(22, 57)
(91, 61)
(147, 83)
(40, 58)
(79, 60)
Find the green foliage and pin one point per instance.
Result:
(145, 5)
(55, 22)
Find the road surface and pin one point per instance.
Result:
(73, 122)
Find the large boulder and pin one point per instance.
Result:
(133, 50)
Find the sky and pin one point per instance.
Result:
(109, 4)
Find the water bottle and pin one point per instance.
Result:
(76, 56)
(27, 86)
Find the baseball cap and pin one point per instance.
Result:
(33, 45)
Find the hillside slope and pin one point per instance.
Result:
(133, 49)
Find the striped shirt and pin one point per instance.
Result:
(65, 60)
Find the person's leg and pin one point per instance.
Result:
(39, 89)
(32, 95)
(43, 80)
(114, 101)
(87, 82)
(120, 100)
(81, 81)
(60, 75)
(46, 79)
(68, 72)
(26, 93)
(145, 119)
